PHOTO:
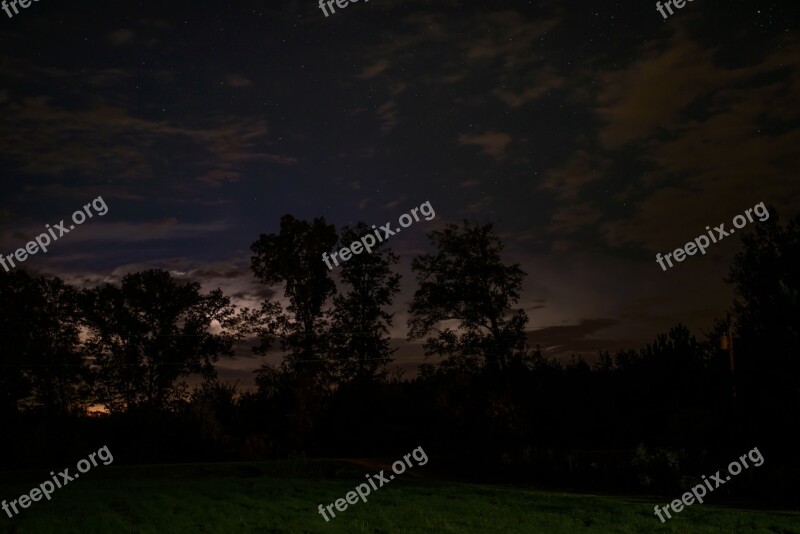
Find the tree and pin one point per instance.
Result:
(467, 282)
(359, 333)
(59, 374)
(152, 330)
(294, 258)
(766, 278)
(40, 358)
(16, 289)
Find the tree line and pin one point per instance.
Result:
(638, 419)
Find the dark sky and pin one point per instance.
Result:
(594, 134)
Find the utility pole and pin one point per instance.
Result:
(726, 342)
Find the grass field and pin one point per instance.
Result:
(283, 498)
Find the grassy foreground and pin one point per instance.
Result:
(275, 498)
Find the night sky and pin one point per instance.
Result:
(593, 134)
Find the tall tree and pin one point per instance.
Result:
(293, 258)
(467, 282)
(151, 330)
(16, 289)
(59, 374)
(40, 358)
(359, 334)
(766, 278)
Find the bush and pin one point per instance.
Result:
(659, 470)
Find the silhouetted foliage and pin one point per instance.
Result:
(151, 330)
(466, 282)
(359, 333)
(40, 358)
(766, 331)
(294, 258)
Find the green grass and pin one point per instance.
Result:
(277, 498)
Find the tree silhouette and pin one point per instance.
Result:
(766, 278)
(466, 281)
(359, 333)
(59, 374)
(294, 258)
(17, 288)
(150, 331)
(40, 359)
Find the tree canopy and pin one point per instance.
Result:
(466, 282)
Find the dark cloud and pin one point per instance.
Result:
(492, 143)
(101, 140)
(562, 342)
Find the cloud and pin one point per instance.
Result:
(503, 47)
(374, 69)
(123, 36)
(651, 91)
(481, 207)
(570, 219)
(236, 280)
(219, 270)
(105, 141)
(394, 203)
(700, 158)
(103, 230)
(235, 80)
(232, 275)
(387, 114)
(543, 84)
(83, 193)
(579, 170)
(683, 140)
(493, 143)
(581, 339)
(508, 36)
